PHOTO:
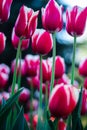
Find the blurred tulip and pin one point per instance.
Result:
(15, 41)
(42, 42)
(63, 100)
(5, 10)
(85, 83)
(35, 120)
(26, 22)
(83, 67)
(2, 42)
(52, 16)
(64, 79)
(31, 64)
(26, 116)
(4, 68)
(76, 20)
(61, 125)
(22, 69)
(84, 102)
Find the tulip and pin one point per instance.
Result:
(24, 96)
(64, 79)
(83, 67)
(76, 21)
(84, 102)
(61, 125)
(2, 42)
(4, 68)
(26, 22)
(85, 83)
(26, 116)
(52, 16)
(15, 41)
(21, 70)
(42, 42)
(5, 10)
(31, 64)
(63, 100)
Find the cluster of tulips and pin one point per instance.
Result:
(53, 101)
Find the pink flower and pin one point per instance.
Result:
(83, 67)
(2, 42)
(61, 125)
(52, 16)
(76, 20)
(26, 22)
(63, 100)
(85, 83)
(5, 10)
(42, 42)
(15, 41)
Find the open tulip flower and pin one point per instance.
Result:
(76, 20)
(42, 42)
(26, 22)
(52, 16)
(5, 10)
(63, 100)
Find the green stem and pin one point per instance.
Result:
(73, 61)
(53, 64)
(46, 100)
(19, 74)
(15, 71)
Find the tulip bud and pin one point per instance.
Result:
(63, 100)
(42, 42)
(61, 125)
(76, 21)
(83, 67)
(26, 116)
(64, 79)
(15, 41)
(5, 10)
(85, 83)
(52, 16)
(26, 22)
(31, 64)
(2, 42)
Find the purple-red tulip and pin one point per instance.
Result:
(76, 20)
(61, 125)
(85, 83)
(5, 10)
(42, 42)
(63, 100)
(52, 16)
(83, 67)
(26, 22)
(2, 42)
(64, 79)
(21, 69)
(15, 41)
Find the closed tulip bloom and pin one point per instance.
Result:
(52, 16)
(42, 42)
(2, 42)
(31, 64)
(4, 68)
(85, 83)
(61, 125)
(15, 41)
(63, 100)
(76, 20)
(83, 67)
(26, 22)
(5, 10)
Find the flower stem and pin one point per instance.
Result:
(15, 71)
(73, 61)
(53, 64)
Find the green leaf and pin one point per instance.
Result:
(69, 122)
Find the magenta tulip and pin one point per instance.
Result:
(2, 42)
(52, 16)
(42, 42)
(15, 41)
(85, 83)
(83, 67)
(5, 10)
(26, 22)
(76, 21)
(63, 100)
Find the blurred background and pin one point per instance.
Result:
(64, 41)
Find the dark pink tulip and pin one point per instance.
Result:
(42, 42)
(64, 79)
(84, 102)
(2, 42)
(26, 22)
(22, 69)
(26, 116)
(59, 67)
(61, 125)
(5, 10)
(85, 83)
(31, 64)
(63, 100)
(83, 67)
(15, 41)
(76, 20)
(24, 96)
(52, 16)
